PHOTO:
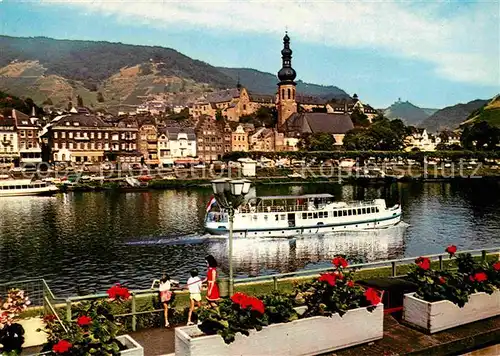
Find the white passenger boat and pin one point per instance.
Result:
(17, 187)
(301, 215)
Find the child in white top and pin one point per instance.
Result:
(194, 284)
(166, 294)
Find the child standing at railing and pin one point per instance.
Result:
(194, 284)
(165, 286)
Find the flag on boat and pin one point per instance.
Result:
(211, 203)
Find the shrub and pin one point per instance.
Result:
(12, 333)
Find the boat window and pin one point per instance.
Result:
(283, 217)
(364, 211)
(349, 212)
(309, 215)
(315, 215)
(325, 214)
(344, 212)
(254, 217)
(265, 217)
(276, 217)
(376, 209)
(373, 209)
(304, 215)
(335, 214)
(359, 211)
(353, 211)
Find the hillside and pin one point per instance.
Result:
(266, 83)
(451, 117)
(406, 111)
(43, 68)
(489, 112)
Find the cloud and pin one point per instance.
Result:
(461, 40)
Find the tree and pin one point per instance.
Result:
(481, 135)
(359, 118)
(100, 97)
(319, 141)
(70, 106)
(383, 135)
(79, 101)
(218, 115)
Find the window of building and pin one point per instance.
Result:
(289, 94)
(71, 145)
(56, 145)
(99, 135)
(91, 135)
(282, 93)
(106, 135)
(63, 134)
(55, 134)
(70, 135)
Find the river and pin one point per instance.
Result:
(84, 242)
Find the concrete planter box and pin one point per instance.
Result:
(309, 336)
(442, 315)
(133, 347)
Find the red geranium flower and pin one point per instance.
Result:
(480, 277)
(442, 280)
(452, 249)
(62, 346)
(339, 261)
(238, 297)
(84, 320)
(423, 262)
(350, 284)
(118, 292)
(372, 296)
(496, 266)
(257, 305)
(328, 277)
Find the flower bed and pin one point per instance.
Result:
(93, 330)
(309, 336)
(447, 299)
(339, 314)
(442, 315)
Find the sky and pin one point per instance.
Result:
(431, 53)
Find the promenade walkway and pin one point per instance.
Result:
(399, 339)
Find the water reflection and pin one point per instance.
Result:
(253, 257)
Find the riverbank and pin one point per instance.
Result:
(309, 176)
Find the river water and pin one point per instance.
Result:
(84, 242)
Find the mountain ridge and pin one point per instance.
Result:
(450, 117)
(123, 73)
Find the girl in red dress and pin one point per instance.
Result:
(213, 295)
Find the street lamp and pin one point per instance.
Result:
(229, 195)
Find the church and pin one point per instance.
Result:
(294, 124)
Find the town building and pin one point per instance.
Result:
(231, 103)
(265, 140)
(148, 141)
(347, 106)
(421, 141)
(9, 147)
(28, 130)
(82, 138)
(213, 138)
(239, 139)
(176, 143)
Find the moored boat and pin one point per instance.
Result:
(18, 187)
(301, 215)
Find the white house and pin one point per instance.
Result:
(9, 151)
(422, 141)
(175, 143)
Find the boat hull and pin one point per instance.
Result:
(307, 230)
(29, 191)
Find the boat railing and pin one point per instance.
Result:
(299, 208)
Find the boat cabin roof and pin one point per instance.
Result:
(295, 197)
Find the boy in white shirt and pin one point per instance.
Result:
(194, 284)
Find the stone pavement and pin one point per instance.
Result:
(156, 342)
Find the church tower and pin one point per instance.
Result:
(286, 87)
